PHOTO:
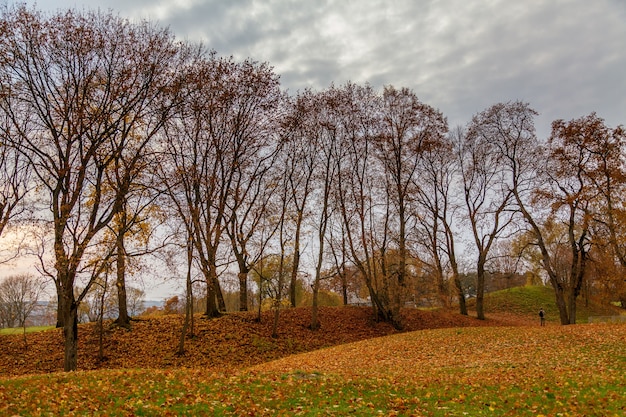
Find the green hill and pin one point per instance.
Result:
(527, 300)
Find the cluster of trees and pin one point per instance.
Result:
(122, 141)
(19, 298)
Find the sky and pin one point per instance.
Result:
(566, 58)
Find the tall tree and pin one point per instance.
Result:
(436, 209)
(607, 174)
(324, 138)
(488, 195)
(408, 128)
(573, 151)
(298, 155)
(220, 139)
(82, 81)
(359, 191)
(259, 104)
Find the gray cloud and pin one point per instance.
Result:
(564, 57)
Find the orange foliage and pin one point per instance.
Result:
(230, 342)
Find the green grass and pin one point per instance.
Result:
(522, 371)
(527, 300)
(20, 330)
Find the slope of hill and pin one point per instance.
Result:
(492, 371)
(526, 302)
(237, 340)
(232, 341)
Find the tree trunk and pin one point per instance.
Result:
(296, 261)
(460, 294)
(243, 289)
(123, 319)
(221, 303)
(480, 289)
(70, 335)
(559, 295)
(442, 288)
(60, 309)
(315, 322)
(211, 300)
(344, 288)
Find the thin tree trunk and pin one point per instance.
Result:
(188, 302)
(480, 288)
(296, 261)
(123, 319)
(243, 289)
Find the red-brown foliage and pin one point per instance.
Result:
(231, 342)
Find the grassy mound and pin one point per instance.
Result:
(526, 302)
(495, 371)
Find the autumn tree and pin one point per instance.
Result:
(551, 191)
(486, 189)
(80, 83)
(219, 148)
(134, 229)
(254, 180)
(358, 190)
(574, 151)
(606, 172)
(323, 135)
(298, 158)
(408, 128)
(19, 295)
(436, 210)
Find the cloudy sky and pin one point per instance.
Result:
(566, 58)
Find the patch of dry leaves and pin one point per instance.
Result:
(231, 342)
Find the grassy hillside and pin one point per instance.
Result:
(494, 371)
(526, 301)
(20, 330)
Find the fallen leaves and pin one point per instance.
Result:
(230, 342)
(511, 371)
(228, 370)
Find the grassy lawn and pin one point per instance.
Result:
(20, 330)
(500, 371)
(527, 301)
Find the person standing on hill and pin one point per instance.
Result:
(542, 317)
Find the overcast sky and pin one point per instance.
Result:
(566, 58)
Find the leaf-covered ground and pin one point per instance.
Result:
(230, 342)
(495, 371)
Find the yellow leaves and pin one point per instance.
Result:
(482, 371)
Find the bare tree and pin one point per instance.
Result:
(436, 213)
(359, 190)
(553, 191)
(19, 295)
(254, 179)
(323, 135)
(83, 82)
(299, 154)
(488, 194)
(408, 128)
(220, 138)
